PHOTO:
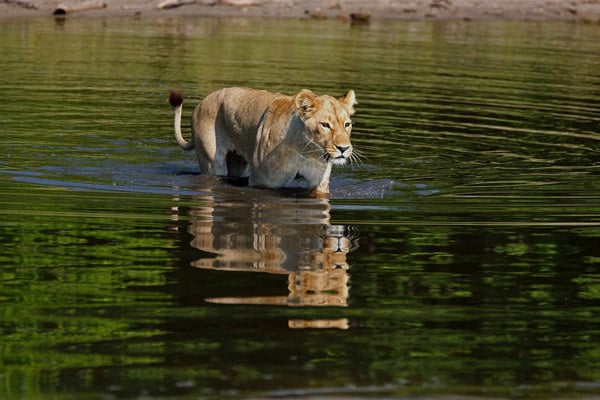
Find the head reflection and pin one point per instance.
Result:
(263, 231)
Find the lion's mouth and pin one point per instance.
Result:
(338, 160)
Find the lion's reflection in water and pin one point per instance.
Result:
(257, 230)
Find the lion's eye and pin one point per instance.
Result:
(348, 124)
(326, 125)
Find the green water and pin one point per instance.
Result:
(460, 258)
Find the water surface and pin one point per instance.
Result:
(459, 258)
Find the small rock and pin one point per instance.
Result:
(360, 17)
(589, 13)
(318, 14)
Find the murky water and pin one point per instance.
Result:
(461, 257)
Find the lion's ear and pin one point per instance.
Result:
(350, 100)
(306, 102)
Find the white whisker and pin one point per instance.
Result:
(317, 149)
(306, 152)
(355, 158)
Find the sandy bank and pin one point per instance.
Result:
(573, 10)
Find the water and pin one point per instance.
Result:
(460, 258)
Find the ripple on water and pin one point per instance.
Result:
(467, 237)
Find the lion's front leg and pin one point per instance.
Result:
(322, 188)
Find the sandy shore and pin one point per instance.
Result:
(359, 10)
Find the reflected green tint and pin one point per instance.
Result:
(460, 257)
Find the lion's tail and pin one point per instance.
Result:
(176, 100)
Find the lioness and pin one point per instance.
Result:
(276, 141)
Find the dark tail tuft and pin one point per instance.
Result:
(176, 98)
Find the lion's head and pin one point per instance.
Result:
(328, 124)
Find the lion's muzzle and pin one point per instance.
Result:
(341, 154)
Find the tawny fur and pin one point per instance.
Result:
(274, 140)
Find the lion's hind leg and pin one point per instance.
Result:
(210, 141)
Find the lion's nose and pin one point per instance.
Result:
(342, 149)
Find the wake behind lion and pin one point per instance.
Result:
(274, 140)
